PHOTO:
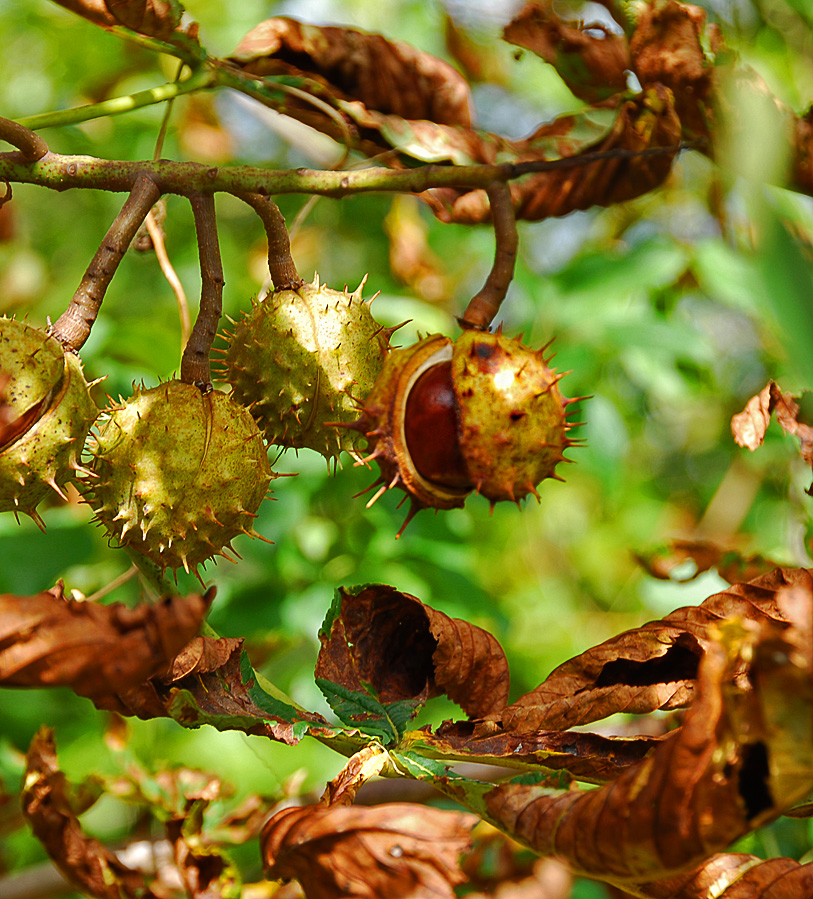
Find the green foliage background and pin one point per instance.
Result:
(671, 311)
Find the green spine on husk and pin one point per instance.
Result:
(48, 414)
(305, 359)
(177, 475)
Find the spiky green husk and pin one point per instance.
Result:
(512, 415)
(178, 475)
(47, 391)
(304, 358)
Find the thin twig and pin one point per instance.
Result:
(72, 328)
(485, 304)
(156, 233)
(199, 80)
(31, 145)
(187, 178)
(117, 582)
(195, 362)
(162, 131)
(280, 262)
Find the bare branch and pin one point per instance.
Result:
(72, 328)
(187, 178)
(485, 305)
(195, 361)
(280, 262)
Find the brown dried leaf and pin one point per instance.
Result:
(95, 11)
(592, 67)
(155, 18)
(666, 49)
(730, 564)
(646, 122)
(160, 19)
(750, 425)
(650, 667)
(593, 758)
(740, 758)
(386, 75)
(735, 876)
(226, 696)
(50, 640)
(366, 763)
(200, 656)
(84, 861)
(408, 651)
(396, 849)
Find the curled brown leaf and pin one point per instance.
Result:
(395, 849)
(211, 692)
(730, 564)
(593, 67)
(750, 425)
(50, 640)
(650, 667)
(739, 759)
(736, 876)
(666, 48)
(646, 122)
(156, 18)
(386, 75)
(407, 650)
(83, 860)
(592, 758)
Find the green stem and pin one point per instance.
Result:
(201, 79)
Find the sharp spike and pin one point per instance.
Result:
(376, 496)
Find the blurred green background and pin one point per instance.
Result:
(671, 311)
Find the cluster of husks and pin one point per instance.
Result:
(176, 474)
(480, 413)
(304, 358)
(47, 413)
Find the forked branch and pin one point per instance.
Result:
(31, 145)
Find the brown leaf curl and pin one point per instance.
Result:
(736, 876)
(592, 67)
(588, 757)
(407, 650)
(647, 121)
(86, 863)
(95, 11)
(650, 667)
(730, 564)
(739, 759)
(50, 640)
(160, 19)
(666, 49)
(216, 693)
(155, 18)
(750, 425)
(386, 75)
(395, 849)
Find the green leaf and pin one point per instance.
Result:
(365, 712)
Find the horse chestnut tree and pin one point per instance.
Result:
(638, 237)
